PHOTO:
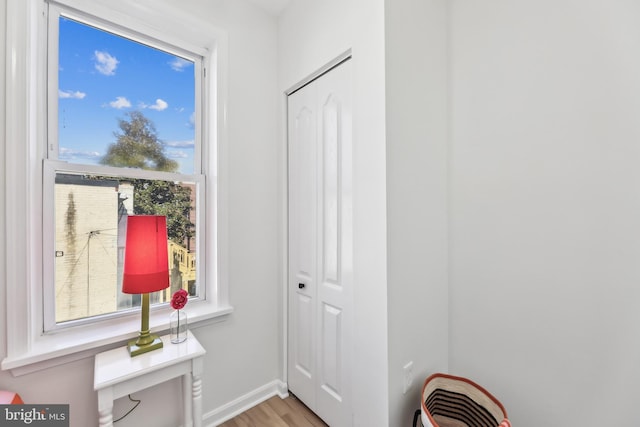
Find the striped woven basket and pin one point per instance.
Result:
(449, 401)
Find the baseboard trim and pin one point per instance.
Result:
(247, 401)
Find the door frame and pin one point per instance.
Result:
(284, 300)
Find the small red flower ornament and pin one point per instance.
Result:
(179, 299)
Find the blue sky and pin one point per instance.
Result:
(102, 77)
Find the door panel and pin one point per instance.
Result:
(304, 357)
(320, 217)
(305, 130)
(331, 351)
(330, 189)
(335, 287)
(302, 244)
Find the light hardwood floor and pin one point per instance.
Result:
(276, 412)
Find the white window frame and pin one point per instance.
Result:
(53, 166)
(28, 348)
(51, 169)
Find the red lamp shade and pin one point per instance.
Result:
(146, 259)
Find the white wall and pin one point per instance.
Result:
(399, 54)
(416, 111)
(545, 190)
(246, 349)
(243, 352)
(312, 33)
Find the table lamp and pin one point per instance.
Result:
(146, 269)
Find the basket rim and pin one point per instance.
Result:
(426, 412)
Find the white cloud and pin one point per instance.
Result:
(70, 94)
(177, 154)
(179, 64)
(180, 144)
(105, 63)
(160, 105)
(120, 102)
(70, 154)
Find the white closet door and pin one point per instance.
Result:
(302, 243)
(320, 245)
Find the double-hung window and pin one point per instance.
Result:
(121, 119)
(123, 139)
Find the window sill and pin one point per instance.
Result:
(68, 346)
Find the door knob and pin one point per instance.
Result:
(300, 285)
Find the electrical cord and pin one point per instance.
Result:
(130, 410)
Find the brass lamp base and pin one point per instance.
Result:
(136, 348)
(146, 342)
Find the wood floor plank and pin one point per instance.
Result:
(278, 405)
(299, 407)
(296, 419)
(276, 412)
(262, 415)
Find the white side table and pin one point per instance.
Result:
(116, 374)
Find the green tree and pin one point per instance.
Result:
(154, 197)
(137, 146)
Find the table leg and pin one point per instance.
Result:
(105, 407)
(197, 401)
(106, 417)
(187, 402)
